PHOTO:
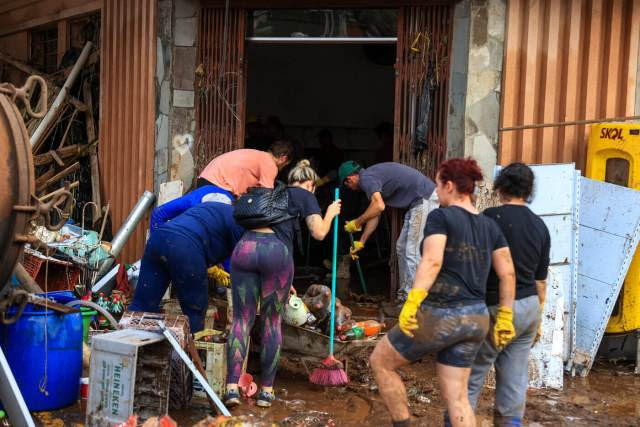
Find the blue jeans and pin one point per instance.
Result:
(511, 363)
(171, 257)
(409, 243)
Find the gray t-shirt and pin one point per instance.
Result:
(400, 186)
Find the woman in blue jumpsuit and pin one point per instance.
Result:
(180, 252)
(168, 211)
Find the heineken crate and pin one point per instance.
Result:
(129, 375)
(214, 358)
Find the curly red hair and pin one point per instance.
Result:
(462, 172)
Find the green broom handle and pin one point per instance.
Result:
(333, 276)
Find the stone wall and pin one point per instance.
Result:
(476, 75)
(484, 76)
(458, 79)
(175, 79)
(163, 91)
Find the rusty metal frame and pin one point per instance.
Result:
(221, 83)
(220, 119)
(413, 21)
(17, 177)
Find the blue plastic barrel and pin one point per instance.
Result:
(27, 353)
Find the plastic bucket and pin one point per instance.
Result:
(47, 370)
(64, 297)
(87, 315)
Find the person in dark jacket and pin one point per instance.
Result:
(180, 252)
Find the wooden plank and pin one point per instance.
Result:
(40, 180)
(15, 4)
(63, 153)
(29, 70)
(74, 184)
(68, 128)
(93, 153)
(63, 39)
(20, 24)
(74, 167)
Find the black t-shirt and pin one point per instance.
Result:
(529, 242)
(471, 240)
(302, 203)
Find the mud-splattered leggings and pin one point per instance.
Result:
(261, 271)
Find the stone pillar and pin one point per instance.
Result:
(482, 118)
(182, 119)
(476, 75)
(175, 87)
(458, 79)
(163, 91)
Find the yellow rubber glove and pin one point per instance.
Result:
(356, 247)
(539, 333)
(218, 274)
(351, 227)
(503, 329)
(407, 322)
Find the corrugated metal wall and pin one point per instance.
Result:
(565, 61)
(127, 110)
(220, 104)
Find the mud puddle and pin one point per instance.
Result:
(607, 397)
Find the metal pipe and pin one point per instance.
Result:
(571, 123)
(122, 236)
(62, 95)
(323, 40)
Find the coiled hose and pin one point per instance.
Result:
(96, 307)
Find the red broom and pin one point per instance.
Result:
(331, 372)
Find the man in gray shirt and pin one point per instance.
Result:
(398, 186)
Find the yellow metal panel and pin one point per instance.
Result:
(619, 141)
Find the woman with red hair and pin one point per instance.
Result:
(445, 312)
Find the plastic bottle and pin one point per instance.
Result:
(4, 422)
(371, 327)
(354, 333)
(346, 325)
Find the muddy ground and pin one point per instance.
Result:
(607, 397)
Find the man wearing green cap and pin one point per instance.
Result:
(398, 186)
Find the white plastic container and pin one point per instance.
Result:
(129, 374)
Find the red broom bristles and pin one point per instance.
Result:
(329, 373)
